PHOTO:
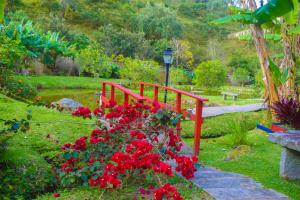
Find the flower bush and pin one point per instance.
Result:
(128, 141)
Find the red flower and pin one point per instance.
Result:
(168, 191)
(80, 144)
(82, 112)
(138, 135)
(66, 146)
(56, 195)
(98, 112)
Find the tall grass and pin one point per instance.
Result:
(239, 131)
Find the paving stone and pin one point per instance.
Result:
(223, 185)
(220, 110)
(241, 193)
(227, 182)
(213, 174)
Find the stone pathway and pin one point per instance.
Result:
(220, 110)
(223, 185)
(231, 186)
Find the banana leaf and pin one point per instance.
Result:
(278, 77)
(292, 17)
(272, 10)
(295, 30)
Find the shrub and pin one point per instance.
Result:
(129, 143)
(94, 62)
(210, 74)
(137, 70)
(19, 88)
(241, 76)
(178, 76)
(287, 111)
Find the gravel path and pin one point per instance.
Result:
(220, 110)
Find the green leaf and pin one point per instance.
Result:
(295, 30)
(272, 10)
(67, 156)
(278, 77)
(292, 17)
(245, 18)
(75, 154)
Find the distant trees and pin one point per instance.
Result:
(157, 22)
(137, 70)
(120, 41)
(210, 74)
(94, 62)
(241, 76)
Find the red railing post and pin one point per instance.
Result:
(155, 96)
(112, 93)
(198, 124)
(178, 109)
(125, 98)
(103, 95)
(103, 89)
(142, 89)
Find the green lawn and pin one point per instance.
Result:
(65, 82)
(29, 157)
(219, 126)
(261, 163)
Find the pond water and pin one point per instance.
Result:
(89, 98)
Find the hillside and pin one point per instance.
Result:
(150, 26)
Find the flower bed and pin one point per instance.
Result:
(127, 142)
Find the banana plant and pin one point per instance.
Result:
(265, 14)
(279, 78)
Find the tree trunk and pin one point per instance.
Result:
(2, 6)
(259, 41)
(289, 62)
(260, 44)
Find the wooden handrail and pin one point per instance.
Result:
(176, 91)
(197, 117)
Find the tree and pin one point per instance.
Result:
(157, 22)
(210, 74)
(241, 76)
(182, 53)
(2, 6)
(116, 41)
(94, 62)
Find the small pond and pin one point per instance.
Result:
(88, 97)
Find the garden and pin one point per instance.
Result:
(62, 138)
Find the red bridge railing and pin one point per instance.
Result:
(197, 117)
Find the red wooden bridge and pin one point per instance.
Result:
(197, 117)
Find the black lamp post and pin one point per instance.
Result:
(168, 59)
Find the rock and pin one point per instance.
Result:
(68, 104)
(288, 140)
(290, 156)
(66, 66)
(290, 164)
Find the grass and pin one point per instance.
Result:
(32, 152)
(65, 82)
(220, 125)
(261, 163)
